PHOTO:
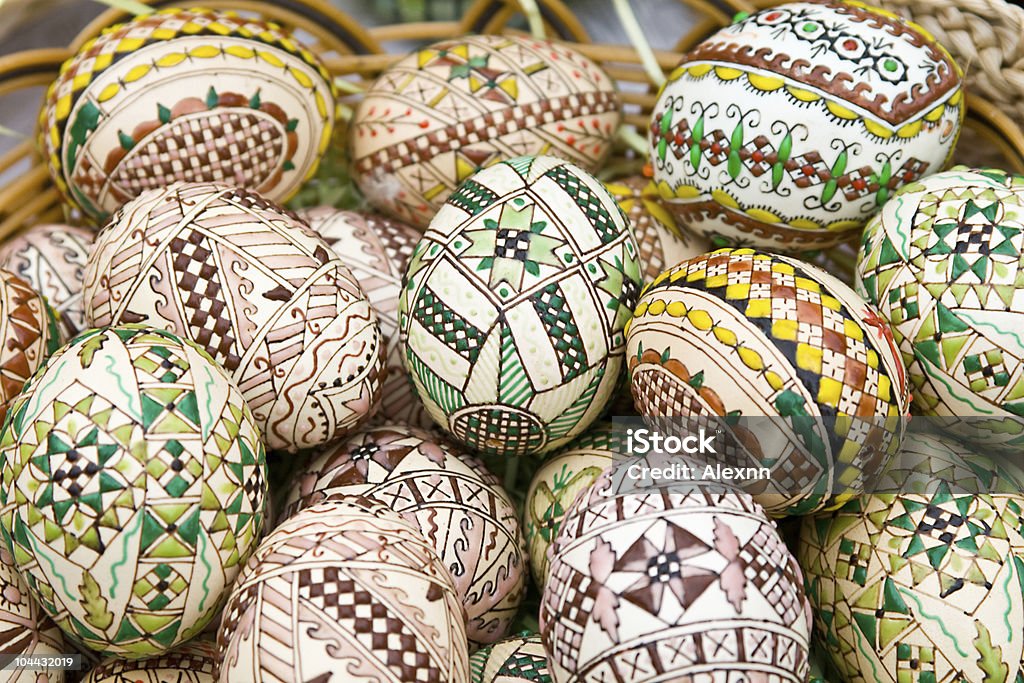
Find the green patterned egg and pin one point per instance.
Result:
(555, 485)
(514, 305)
(519, 659)
(922, 580)
(943, 263)
(134, 488)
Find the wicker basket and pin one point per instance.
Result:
(985, 35)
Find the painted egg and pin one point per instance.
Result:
(514, 660)
(789, 129)
(29, 333)
(377, 251)
(257, 112)
(942, 262)
(444, 112)
(557, 482)
(256, 288)
(190, 663)
(664, 585)
(920, 581)
(515, 302)
(802, 375)
(662, 243)
(24, 629)
(347, 585)
(51, 259)
(133, 488)
(455, 502)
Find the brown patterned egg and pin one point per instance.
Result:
(519, 659)
(344, 590)
(377, 251)
(28, 332)
(457, 504)
(672, 584)
(24, 628)
(51, 259)
(192, 662)
(454, 107)
(185, 95)
(255, 287)
(662, 242)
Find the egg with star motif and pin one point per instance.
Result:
(514, 305)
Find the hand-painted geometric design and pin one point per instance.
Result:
(556, 483)
(921, 582)
(51, 259)
(659, 585)
(737, 334)
(134, 488)
(753, 146)
(24, 628)
(192, 662)
(512, 314)
(456, 503)
(443, 113)
(116, 123)
(29, 332)
(514, 660)
(943, 263)
(346, 585)
(255, 287)
(662, 242)
(377, 251)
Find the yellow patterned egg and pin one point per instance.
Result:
(801, 376)
(454, 107)
(194, 95)
(789, 129)
(255, 287)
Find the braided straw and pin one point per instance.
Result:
(986, 37)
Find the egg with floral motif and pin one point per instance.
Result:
(444, 112)
(514, 305)
(257, 112)
(789, 129)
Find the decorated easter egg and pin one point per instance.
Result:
(662, 243)
(192, 662)
(514, 307)
(801, 374)
(29, 333)
(251, 284)
(514, 660)
(257, 111)
(347, 585)
(942, 263)
(661, 584)
(133, 488)
(920, 581)
(377, 251)
(24, 628)
(51, 259)
(789, 129)
(556, 483)
(444, 112)
(454, 501)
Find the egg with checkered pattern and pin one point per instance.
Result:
(257, 111)
(259, 290)
(784, 366)
(514, 303)
(519, 659)
(442, 113)
(788, 130)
